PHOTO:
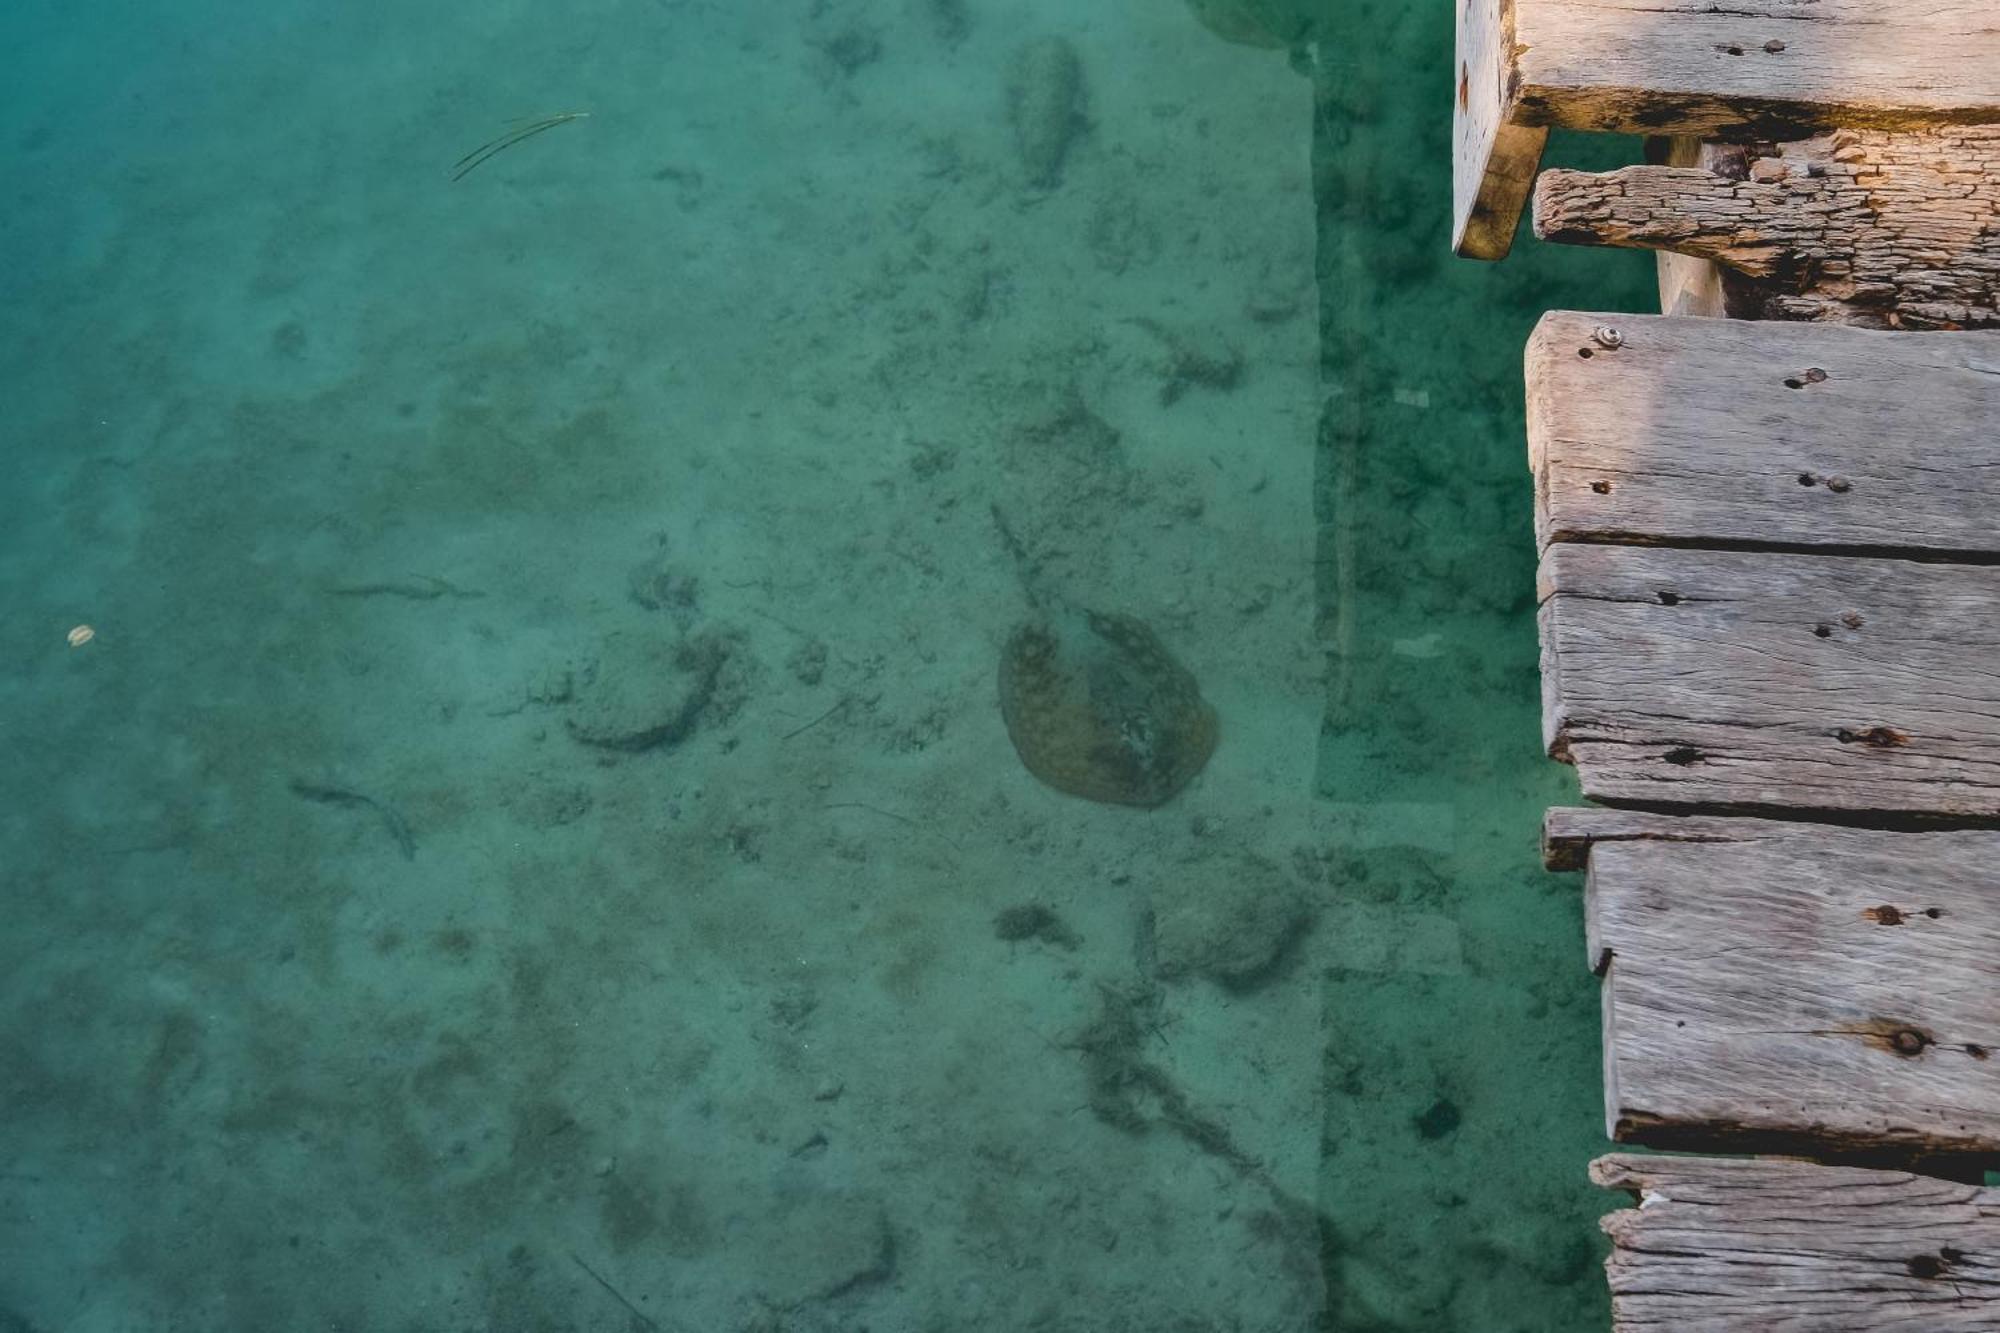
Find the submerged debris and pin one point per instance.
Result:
(347, 798)
(646, 695)
(1130, 1092)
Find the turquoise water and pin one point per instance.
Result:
(1463, 1097)
(511, 821)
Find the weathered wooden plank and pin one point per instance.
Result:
(1886, 230)
(1703, 430)
(1569, 832)
(1722, 1246)
(1774, 681)
(1493, 160)
(1814, 988)
(1695, 67)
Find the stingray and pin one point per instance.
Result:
(1095, 704)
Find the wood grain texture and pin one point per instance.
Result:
(1727, 432)
(1493, 160)
(1727, 1246)
(1695, 67)
(1811, 989)
(1885, 230)
(1773, 681)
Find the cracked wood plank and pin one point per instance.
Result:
(1707, 431)
(1769, 681)
(1868, 227)
(1719, 1246)
(1569, 832)
(1772, 68)
(1800, 988)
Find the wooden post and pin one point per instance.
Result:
(1495, 160)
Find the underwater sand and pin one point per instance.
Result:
(533, 842)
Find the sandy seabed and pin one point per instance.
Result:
(532, 843)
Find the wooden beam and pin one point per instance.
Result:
(1887, 230)
(1802, 989)
(1704, 431)
(1694, 67)
(1493, 160)
(1719, 1245)
(1773, 681)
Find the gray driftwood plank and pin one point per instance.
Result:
(1726, 431)
(1773, 681)
(1887, 229)
(1721, 1245)
(1804, 988)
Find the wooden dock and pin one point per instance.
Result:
(1769, 523)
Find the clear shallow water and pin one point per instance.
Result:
(531, 841)
(1463, 1092)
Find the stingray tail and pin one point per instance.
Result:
(1024, 564)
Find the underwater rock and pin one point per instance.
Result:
(1097, 707)
(1233, 921)
(642, 693)
(1046, 103)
